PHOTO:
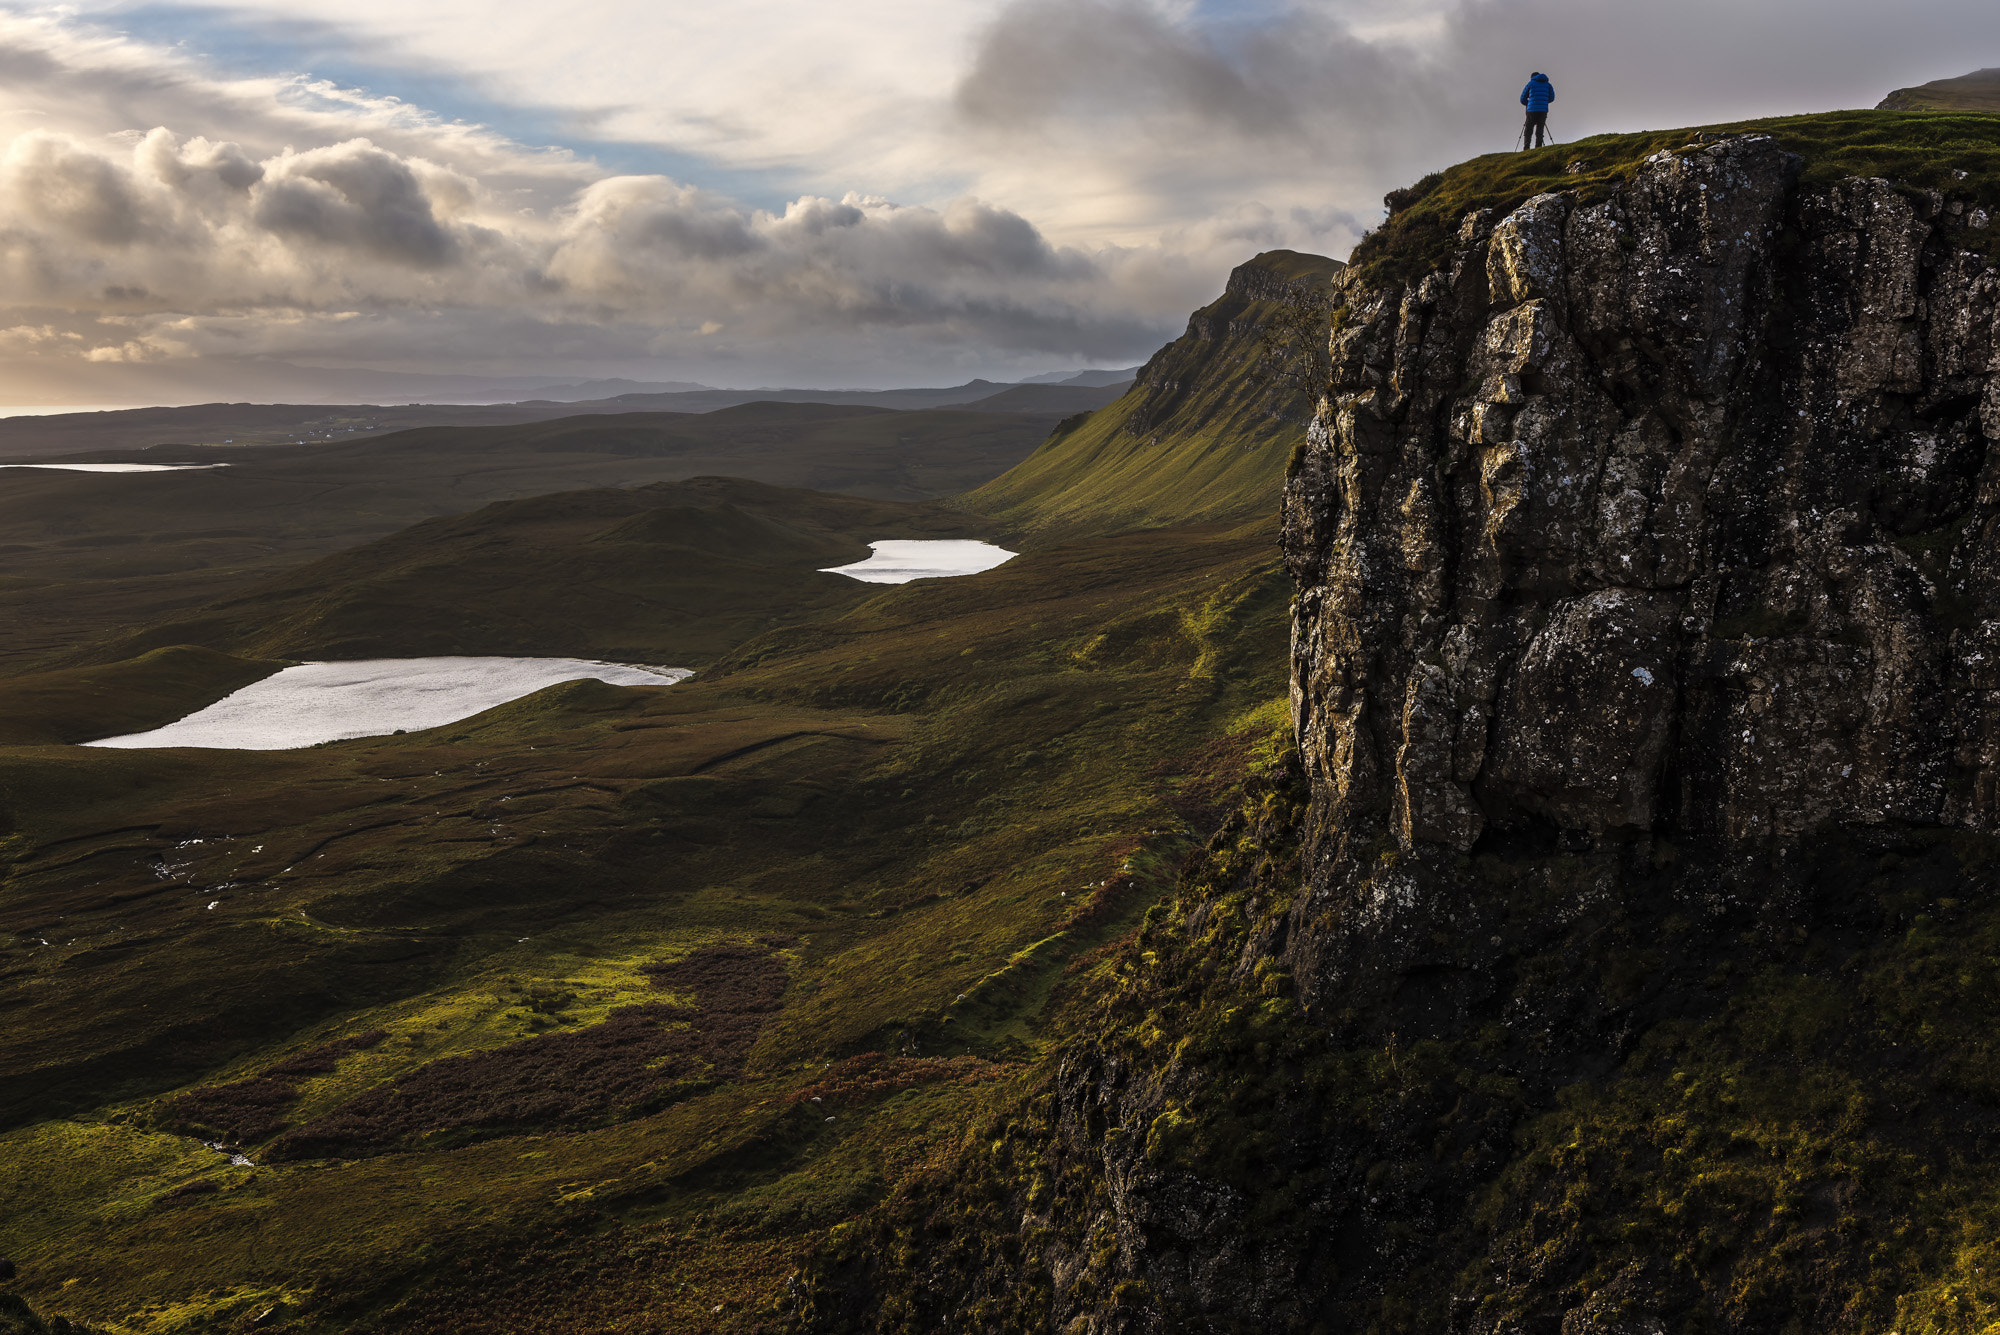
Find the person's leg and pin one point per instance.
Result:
(1539, 122)
(1528, 132)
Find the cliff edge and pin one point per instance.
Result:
(1617, 952)
(1673, 510)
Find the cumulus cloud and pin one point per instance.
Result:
(983, 186)
(160, 247)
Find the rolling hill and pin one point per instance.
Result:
(87, 555)
(1063, 400)
(674, 573)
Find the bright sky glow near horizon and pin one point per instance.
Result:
(195, 198)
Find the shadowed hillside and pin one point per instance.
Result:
(147, 692)
(89, 555)
(673, 573)
(601, 1009)
(1204, 432)
(1062, 400)
(266, 424)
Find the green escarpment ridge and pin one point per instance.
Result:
(1977, 91)
(1955, 153)
(1204, 432)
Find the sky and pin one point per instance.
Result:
(196, 199)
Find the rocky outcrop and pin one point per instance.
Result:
(1668, 512)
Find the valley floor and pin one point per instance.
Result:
(599, 1010)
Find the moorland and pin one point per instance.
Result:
(701, 970)
(949, 955)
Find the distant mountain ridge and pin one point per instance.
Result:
(61, 434)
(1095, 379)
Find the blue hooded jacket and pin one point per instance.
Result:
(1538, 94)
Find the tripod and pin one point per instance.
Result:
(1521, 144)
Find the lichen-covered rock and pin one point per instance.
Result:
(1669, 512)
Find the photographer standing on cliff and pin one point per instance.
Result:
(1536, 98)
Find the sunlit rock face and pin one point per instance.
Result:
(1670, 513)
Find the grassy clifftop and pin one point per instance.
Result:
(1203, 434)
(1977, 91)
(1957, 153)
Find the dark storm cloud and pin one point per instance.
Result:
(168, 248)
(1297, 82)
(358, 196)
(1049, 61)
(57, 183)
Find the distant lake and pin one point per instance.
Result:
(118, 468)
(900, 560)
(327, 702)
(51, 409)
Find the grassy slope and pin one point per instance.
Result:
(926, 806)
(1978, 91)
(89, 554)
(1793, 1133)
(1919, 150)
(1204, 433)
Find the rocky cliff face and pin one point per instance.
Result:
(1672, 513)
(1596, 969)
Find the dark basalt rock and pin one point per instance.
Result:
(1671, 513)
